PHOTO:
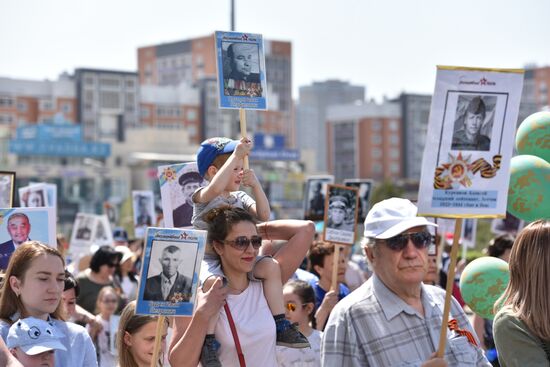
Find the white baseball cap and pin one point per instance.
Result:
(391, 217)
(34, 336)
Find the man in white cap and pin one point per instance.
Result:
(393, 319)
(33, 342)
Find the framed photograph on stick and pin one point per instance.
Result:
(240, 63)
(177, 183)
(170, 272)
(466, 166)
(7, 189)
(18, 225)
(314, 197)
(143, 203)
(364, 187)
(341, 210)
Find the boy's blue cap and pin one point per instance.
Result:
(34, 336)
(210, 149)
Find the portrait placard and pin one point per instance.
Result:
(51, 192)
(240, 64)
(364, 187)
(341, 210)
(18, 225)
(143, 204)
(33, 196)
(114, 321)
(170, 272)
(314, 197)
(7, 189)
(507, 225)
(471, 129)
(103, 233)
(177, 183)
(84, 233)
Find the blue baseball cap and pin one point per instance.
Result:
(210, 149)
(34, 336)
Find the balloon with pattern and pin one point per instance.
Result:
(529, 190)
(533, 136)
(482, 282)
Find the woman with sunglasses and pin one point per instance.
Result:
(299, 299)
(100, 274)
(236, 239)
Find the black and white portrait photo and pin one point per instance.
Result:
(241, 69)
(84, 226)
(34, 196)
(341, 214)
(364, 188)
(144, 211)
(314, 198)
(170, 272)
(7, 184)
(474, 122)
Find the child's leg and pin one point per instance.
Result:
(288, 335)
(267, 269)
(208, 283)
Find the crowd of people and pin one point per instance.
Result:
(271, 293)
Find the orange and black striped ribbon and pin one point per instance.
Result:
(453, 326)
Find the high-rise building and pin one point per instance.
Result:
(415, 113)
(365, 141)
(311, 114)
(193, 62)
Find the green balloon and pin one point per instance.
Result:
(482, 282)
(533, 136)
(529, 190)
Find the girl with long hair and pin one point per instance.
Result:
(136, 338)
(106, 305)
(32, 286)
(521, 328)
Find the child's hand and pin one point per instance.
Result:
(243, 148)
(249, 178)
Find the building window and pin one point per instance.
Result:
(66, 107)
(394, 125)
(394, 168)
(6, 102)
(394, 139)
(376, 139)
(394, 153)
(145, 112)
(46, 105)
(376, 153)
(110, 82)
(130, 84)
(191, 114)
(377, 168)
(376, 125)
(6, 119)
(22, 106)
(110, 100)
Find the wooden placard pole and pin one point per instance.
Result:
(242, 118)
(158, 338)
(335, 260)
(449, 291)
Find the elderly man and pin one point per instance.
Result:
(469, 137)
(393, 319)
(19, 227)
(169, 285)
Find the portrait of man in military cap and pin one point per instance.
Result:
(341, 214)
(472, 129)
(189, 183)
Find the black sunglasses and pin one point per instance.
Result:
(419, 239)
(242, 242)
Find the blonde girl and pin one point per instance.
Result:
(135, 339)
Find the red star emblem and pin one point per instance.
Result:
(483, 81)
(245, 37)
(184, 235)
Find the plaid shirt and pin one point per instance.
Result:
(374, 327)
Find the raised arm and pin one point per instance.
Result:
(261, 209)
(222, 176)
(298, 233)
(189, 332)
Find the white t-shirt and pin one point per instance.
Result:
(255, 327)
(304, 357)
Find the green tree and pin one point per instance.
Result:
(385, 190)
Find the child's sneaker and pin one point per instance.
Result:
(289, 336)
(209, 355)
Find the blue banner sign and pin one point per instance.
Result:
(50, 132)
(59, 149)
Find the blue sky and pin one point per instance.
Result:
(388, 45)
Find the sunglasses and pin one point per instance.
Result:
(112, 265)
(242, 242)
(419, 239)
(292, 306)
